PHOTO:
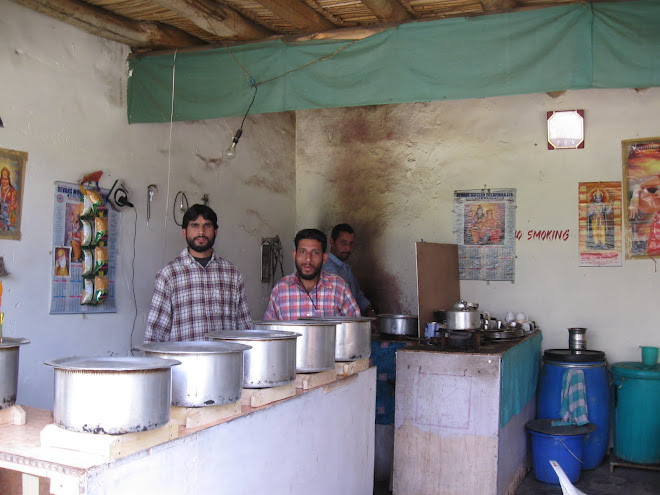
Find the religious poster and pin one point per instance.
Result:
(68, 280)
(485, 231)
(641, 189)
(600, 238)
(12, 180)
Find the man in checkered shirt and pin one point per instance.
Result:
(198, 292)
(310, 291)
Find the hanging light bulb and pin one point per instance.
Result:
(230, 153)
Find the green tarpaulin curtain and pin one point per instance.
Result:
(577, 46)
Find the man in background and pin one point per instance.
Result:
(198, 292)
(310, 291)
(342, 241)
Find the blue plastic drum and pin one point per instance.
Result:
(548, 396)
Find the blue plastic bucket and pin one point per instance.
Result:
(564, 444)
(636, 416)
(548, 396)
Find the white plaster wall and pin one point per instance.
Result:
(62, 100)
(391, 172)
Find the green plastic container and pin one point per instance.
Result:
(636, 412)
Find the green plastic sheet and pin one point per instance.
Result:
(577, 46)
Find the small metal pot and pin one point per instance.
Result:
(9, 350)
(210, 374)
(464, 316)
(315, 348)
(270, 362)
(406, 325)
(353, 339)
(112, 394)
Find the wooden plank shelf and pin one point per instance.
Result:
(351, 367)
(307, 381)
(256, 397)
(107, 446)
(192, 417)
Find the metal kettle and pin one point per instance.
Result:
(463, 316)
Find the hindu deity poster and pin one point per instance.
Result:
(485, 231)
(12, 179)
(600, 238)
(641, 186)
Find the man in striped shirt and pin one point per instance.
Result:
(198, 292)
(310, 291)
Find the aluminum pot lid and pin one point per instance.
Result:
(572, 356)
(339, 319)
(111, 363)
(12, 341)
(400, 317)
(193, 347)
(254, 334)
(464, 306)
(636, 370)
(545, 426)
(292, 323)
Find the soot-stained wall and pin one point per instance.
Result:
(390, 171)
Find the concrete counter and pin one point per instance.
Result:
(319, 441)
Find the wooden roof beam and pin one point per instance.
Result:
(216, 19)
(299, 15)
(387, 10)
(100, 22)
(495, 5)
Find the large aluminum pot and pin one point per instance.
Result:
(406, 325)
(464, 316)
(270, 362)
(112, 394)
(9, 350)
(315, 348)
(210, 374)
(353, 340)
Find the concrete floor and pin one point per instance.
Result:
(599, 481)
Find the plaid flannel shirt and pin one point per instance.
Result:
(331, 297)
(190, 300)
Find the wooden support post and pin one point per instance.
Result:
(191, 417)
(14, 415)
(351, 367)
(311, 380)
(255, 397)
(107, 446)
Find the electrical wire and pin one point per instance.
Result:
(130, 347)
(183, 201)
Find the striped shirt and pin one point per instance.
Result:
(190, 300)
(331, 297)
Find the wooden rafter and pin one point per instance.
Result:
(298, 14)
(216, 19)
(102, 23)
(387, 10)
(495, 5)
